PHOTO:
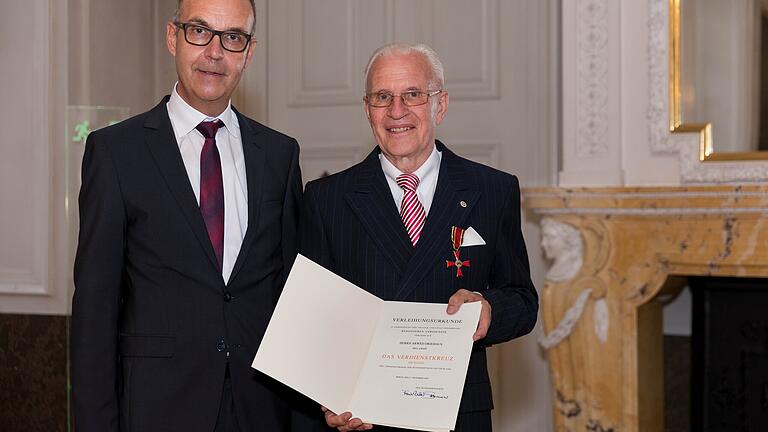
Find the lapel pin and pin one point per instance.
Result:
(463, 204)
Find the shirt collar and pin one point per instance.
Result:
(428, 167)
(185, 118)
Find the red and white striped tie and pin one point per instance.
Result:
(411, 209)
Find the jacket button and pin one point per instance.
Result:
(227, 296)
(221, 346)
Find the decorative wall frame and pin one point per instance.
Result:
(667, 133)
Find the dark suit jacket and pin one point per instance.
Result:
(152, 319)
(351, 226)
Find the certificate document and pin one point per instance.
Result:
(399, 364)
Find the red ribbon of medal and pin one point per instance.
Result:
(457, 236)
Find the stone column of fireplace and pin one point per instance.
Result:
(635, 243)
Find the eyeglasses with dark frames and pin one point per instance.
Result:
(200, 35)
(384, 99)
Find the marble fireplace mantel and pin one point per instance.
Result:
(615, 250)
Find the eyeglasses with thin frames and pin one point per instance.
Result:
(384, 99)
(200, 35)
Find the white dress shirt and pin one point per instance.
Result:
(184, 120)
(427, 174)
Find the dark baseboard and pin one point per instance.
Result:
(33, 373)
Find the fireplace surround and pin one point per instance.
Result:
(634, 245)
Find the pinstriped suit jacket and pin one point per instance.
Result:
(351, 226)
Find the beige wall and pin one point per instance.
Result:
(118, 53)
(33, 90)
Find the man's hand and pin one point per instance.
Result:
(463, 296)
(344, 421)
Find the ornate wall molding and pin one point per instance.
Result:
(692, 170)
(662, 140)
(592, 82)
(654, 212)
(682, 193)
(650, 202)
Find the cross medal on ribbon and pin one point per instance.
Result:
(457, 236)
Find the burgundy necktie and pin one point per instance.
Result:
(411, 209)
(212, 188)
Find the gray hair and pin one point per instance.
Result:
(253, 9)
(438, 77)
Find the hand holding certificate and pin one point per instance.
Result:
(403, 364)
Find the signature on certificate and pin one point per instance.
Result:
(424, 394)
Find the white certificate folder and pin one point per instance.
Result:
(399, 364)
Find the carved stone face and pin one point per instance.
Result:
(563, 244)
(552, 241)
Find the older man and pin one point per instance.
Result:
(396, 223)
(188, 217)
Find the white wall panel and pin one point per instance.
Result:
(324, 51)
(467, 36)
(328, 158)
(486, 153)
(322, 35)
(24, 179)
(32, 216)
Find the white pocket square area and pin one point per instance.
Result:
(472, 238)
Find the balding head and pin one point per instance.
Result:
(430, 56)
(253, 8)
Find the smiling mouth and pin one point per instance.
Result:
(399, 129)
(210, 73)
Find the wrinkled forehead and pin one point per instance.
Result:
(397, 72)
(218, 14)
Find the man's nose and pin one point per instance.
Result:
(214, 50)
(397, 109)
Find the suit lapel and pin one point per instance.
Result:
(371, 200)
(163, 146)
(254, 168)
(453, 187)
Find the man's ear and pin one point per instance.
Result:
(249, 52)
(442, 106)
(171, 31)
(367, 110)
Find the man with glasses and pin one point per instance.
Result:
(416, 222)
(188, 217)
